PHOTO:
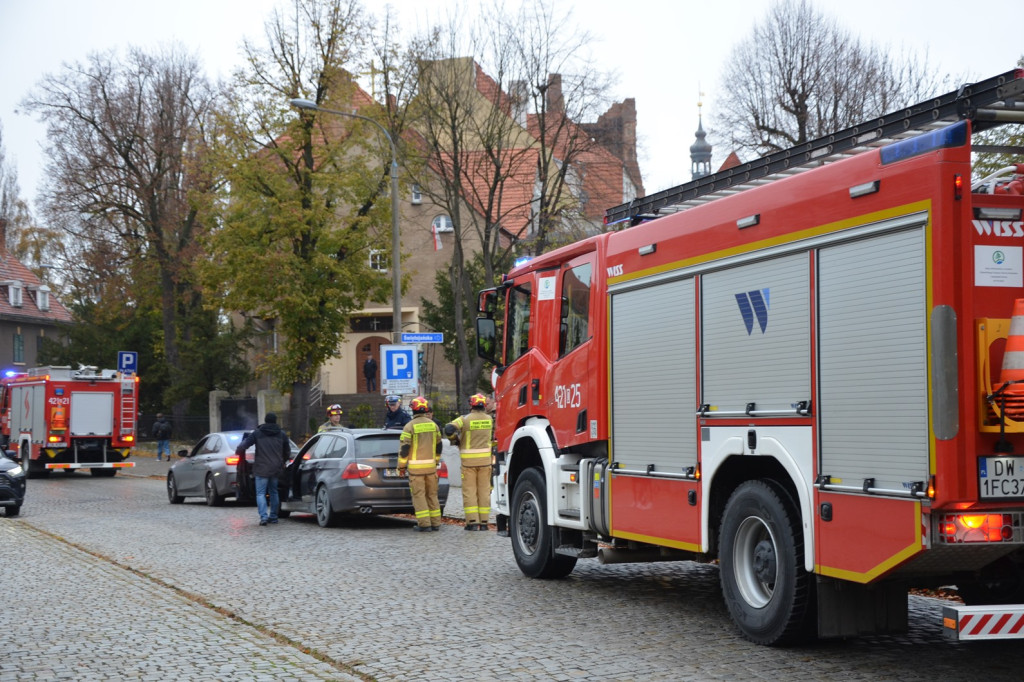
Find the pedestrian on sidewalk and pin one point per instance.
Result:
(473, 433)
(272, 452)
(162, 432)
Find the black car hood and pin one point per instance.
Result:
(7, 464)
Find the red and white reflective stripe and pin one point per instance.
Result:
(984, 622)
(91, 465)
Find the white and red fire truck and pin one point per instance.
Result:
(793, 367)
(59, 418)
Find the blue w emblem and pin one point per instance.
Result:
(754, 305)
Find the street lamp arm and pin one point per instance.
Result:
(309, 105)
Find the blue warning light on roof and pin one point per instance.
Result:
(950, 136)
(521, 260)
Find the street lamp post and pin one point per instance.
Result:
(396, 259)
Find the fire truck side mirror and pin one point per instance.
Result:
(486, 339)
(487, 302)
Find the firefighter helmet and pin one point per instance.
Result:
(392, 400)
(419, 405)
(477, 400)
(334, 409)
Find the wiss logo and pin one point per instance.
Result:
(754, 305)
(615, 270)
(999, 228)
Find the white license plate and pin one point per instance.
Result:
(392, 473)
(1000, 477)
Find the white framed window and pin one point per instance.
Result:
(442, 223)
(379, 260)
(43, 298)
(417, 195)
(14, 294)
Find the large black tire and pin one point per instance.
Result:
(172, 490)
(761, 551)
(213, 498)
(13, 511)
(32, 469)
(532, 537)
(325, 516)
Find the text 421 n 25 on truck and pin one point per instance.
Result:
(802, 367)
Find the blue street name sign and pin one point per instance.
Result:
(127, 362)
(423, 338)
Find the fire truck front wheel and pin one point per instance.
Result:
(767, 591)
(532, 538)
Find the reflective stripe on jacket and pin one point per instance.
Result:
(423, 438)
(475, 436)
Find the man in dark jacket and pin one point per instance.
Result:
(370, 372)
(272, 452)
(162, 433)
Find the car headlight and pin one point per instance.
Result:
(16, 471)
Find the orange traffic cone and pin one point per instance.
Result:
(1012, 398)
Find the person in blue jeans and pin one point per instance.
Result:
(162, 432)
(272, 452)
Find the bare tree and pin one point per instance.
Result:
(799, 76)
(126, 139)
(496, 143)
(13, 209)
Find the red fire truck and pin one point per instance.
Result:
(59, 418)
(794, 367)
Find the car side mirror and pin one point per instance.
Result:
(182, 453)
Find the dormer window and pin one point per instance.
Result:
(43, 298)
(417, 195)
(14, 294)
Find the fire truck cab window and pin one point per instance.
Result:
(575, 324)
(517, 339)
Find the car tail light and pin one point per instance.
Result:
(232, 460)
(442, 471)
(356, 470)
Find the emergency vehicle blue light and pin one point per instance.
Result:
(520, 260)
(10, 373)
(950, 136)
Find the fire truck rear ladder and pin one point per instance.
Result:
(986, 104)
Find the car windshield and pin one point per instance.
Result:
(375, 446)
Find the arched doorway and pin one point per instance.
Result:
(369, 346)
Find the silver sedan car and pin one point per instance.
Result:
(350, 471)
(208, 470)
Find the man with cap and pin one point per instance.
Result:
(272, 452)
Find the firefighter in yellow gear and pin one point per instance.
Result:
(419, 456)
(474, 433)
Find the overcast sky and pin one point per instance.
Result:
(665, 52)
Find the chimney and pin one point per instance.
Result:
(555, 101)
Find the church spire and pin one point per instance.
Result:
(700, 151)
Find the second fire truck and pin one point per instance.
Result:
(59, 418)
(803, 367)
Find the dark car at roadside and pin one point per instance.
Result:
(350, 471)
(12, 485)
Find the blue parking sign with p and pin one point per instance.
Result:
(400, 364)
(127, 362)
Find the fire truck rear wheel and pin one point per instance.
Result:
(172, 491)
(764, 584)
(532, 537)
(213, 498)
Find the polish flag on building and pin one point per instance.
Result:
(437, 237)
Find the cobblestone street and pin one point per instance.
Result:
(105, 580)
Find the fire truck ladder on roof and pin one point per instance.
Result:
(128, 399)
(986, 104)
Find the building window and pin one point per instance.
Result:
(417, 195)
(442, 223)
(19, 347)
(379, 260)
(43, 298)
(14, 294)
